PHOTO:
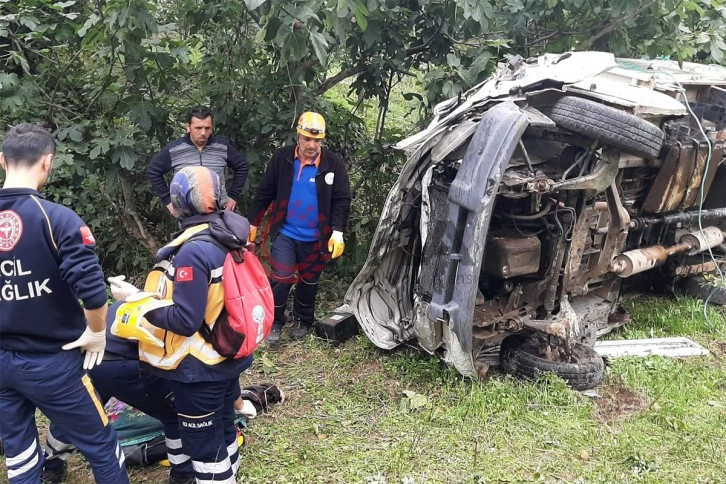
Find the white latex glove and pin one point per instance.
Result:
(92, 344)
(120, 289)
(141, 295)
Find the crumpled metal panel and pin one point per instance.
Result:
(565, 68)
(380, 295)
(471, 200)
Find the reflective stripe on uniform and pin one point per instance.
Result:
(47, 219)
(120, 455)
(233, 452)
(174, 451)
(26, 461)
(177, 347)
(212, 467)
(173, 443)
(23, 469)
(214, 472)
(23, 456)
(92, 393)
(177, 459)
(182, 347)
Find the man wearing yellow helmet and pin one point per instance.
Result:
(308, 191)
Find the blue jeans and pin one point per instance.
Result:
(57, 385)
(300, 264)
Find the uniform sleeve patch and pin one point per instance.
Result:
(86, 236)
(11, 228)
(185, 274)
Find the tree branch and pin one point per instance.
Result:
(339, 77)
(614, 25)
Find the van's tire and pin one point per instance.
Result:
(611, 126)
(696, 286)
(519, 356)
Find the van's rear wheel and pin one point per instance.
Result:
(611, 126)
(521, 357)
(701, 288)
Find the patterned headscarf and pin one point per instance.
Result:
(195, 190)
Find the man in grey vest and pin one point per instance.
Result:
(199, 147)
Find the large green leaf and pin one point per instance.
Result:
(361, 15)
(100, 147)
(125, 156)
(319, 45)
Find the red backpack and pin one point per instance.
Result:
(249, 307)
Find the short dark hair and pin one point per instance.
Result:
(25, 144)
(199, 112)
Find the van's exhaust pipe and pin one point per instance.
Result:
(641, 260)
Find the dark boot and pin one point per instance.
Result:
(275, 336)
(181, 479)
(55, 472)
(300, 330)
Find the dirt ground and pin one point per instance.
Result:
(617, 402)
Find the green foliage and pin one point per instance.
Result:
(114, 79)
(654, 318)
(681, 30)
(355, 413)
(358, 414)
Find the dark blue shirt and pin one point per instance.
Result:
(48, 265)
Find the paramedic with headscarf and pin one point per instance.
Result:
(188, 279)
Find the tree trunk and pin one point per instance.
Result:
(131, 220)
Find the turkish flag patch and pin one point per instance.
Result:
(86, 236)
(185, 274)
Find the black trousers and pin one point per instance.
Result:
(208, 432)
(299, 264)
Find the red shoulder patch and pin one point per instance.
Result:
(185, 274)
(86, 236)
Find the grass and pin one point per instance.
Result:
(356, 414)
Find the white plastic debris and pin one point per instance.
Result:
(673, 347)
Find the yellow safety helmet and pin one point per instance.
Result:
(311, 125)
